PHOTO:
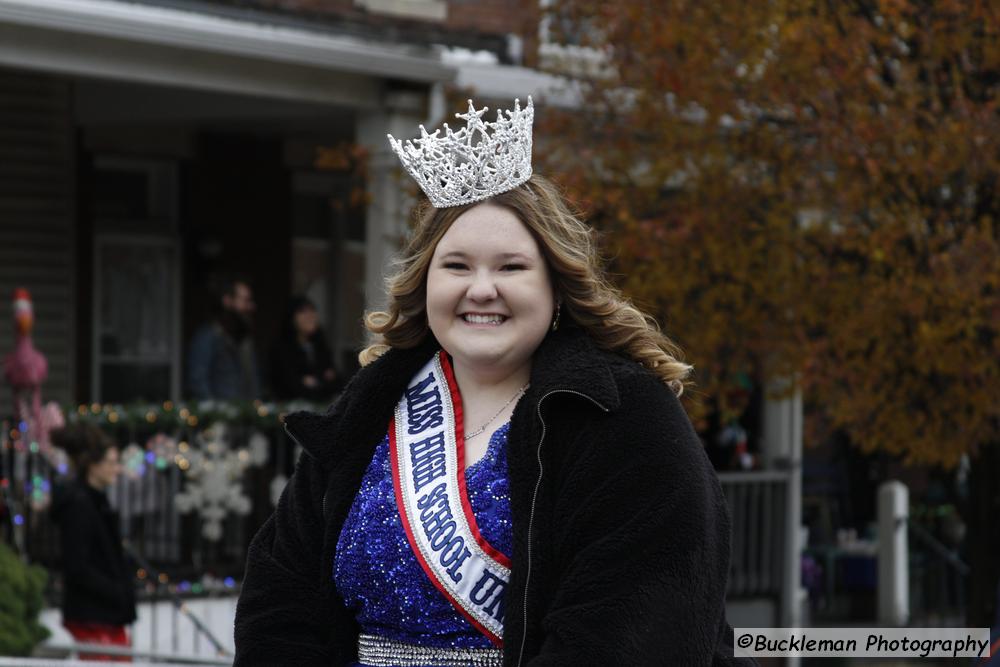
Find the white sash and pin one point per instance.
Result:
(427, 454)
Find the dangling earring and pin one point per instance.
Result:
(555, 320)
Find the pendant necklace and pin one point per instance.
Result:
(490, 420)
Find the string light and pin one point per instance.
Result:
(212, 466)
(167, 414)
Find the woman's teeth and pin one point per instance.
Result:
(483, 319)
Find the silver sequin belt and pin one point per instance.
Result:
(381, 652)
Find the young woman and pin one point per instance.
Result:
(301, 366)
(511, 479)
(98, 590)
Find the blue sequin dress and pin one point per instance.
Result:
(377, 574)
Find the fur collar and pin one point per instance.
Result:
(567, 360)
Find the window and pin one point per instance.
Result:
(136, 316)
(328, 251)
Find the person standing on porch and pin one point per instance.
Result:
(301, 363)
(222, 359)
(98, 590)
(510, 479)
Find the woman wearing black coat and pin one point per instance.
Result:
(511, 479)
(98, 591)
(301, 364)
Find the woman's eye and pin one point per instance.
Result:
(513, 267)
(458, 266)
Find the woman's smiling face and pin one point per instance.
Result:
(489, 296)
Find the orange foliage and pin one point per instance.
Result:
(808, 188)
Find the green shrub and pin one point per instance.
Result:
(21, 589)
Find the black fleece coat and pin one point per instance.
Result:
(621, 534)
(97, 576)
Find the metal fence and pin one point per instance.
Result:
(758, 506)
(938, 580)
(188, 503)
(72, 650)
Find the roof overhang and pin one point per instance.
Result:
(161, 45)
(505, 82)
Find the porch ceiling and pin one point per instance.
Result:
(100, 103)
(167, 46)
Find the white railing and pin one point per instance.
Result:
(161, 632)
(758, 506)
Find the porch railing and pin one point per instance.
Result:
(938, 580)
(758, 507)
(181, 561)
(64, 655)
(166, 457)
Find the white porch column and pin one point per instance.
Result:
(782, 426)
(893, 555)
(390, 204)
(782, 449)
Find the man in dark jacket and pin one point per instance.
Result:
(621, 534)
(222, 359)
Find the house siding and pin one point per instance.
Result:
(37, 220)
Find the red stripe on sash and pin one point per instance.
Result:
(456, 401)
(415, 548)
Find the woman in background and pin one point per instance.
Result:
(301, 366)
(98, 594)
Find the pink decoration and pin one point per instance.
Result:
(25, 369)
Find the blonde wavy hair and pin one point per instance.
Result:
(570, 250)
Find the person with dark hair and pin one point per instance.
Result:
(98, 594)
(222, 359)
(301, 366)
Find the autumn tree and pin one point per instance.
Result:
(809, 189)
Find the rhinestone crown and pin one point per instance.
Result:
(478, 161)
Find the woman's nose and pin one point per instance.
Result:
(483, 287)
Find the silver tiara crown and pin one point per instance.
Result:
(478, 161)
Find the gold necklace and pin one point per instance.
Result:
(490, 420)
